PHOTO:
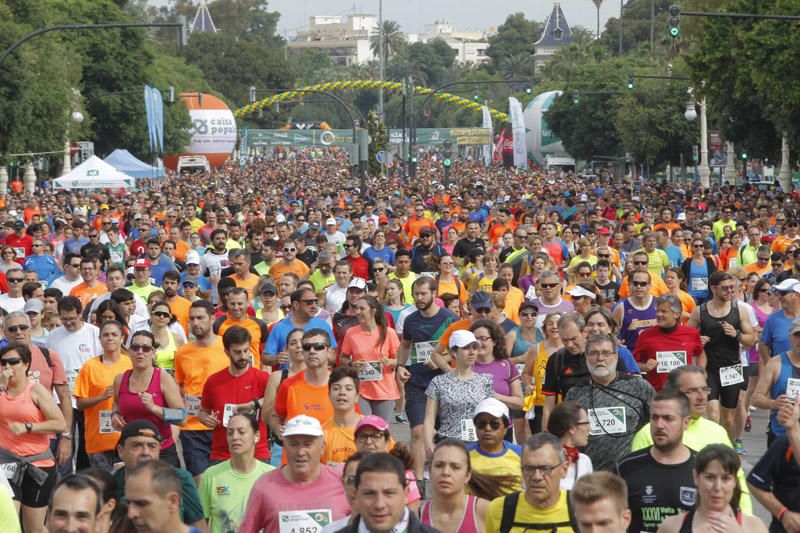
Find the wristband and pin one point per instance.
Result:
(781, 513)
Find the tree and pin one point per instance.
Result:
(636, 18)
(308, 65)
(515, 36)
(380, 142)
(393, 40)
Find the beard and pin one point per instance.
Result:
(600, 372)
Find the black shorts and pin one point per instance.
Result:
(415, 404)
(728, 396)
(31, 494)
(196, 450)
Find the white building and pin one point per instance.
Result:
(470, 46)
(345, 39)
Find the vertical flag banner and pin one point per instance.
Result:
(487, 149)
(158, 114)
(150, 112)
(518, 132)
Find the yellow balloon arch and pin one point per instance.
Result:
(391, 86)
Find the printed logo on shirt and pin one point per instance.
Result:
(223, 491)
(688, 496)
(83, 348)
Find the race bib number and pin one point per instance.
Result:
(9, 470)
(304, 521)
(20, 252)
(423, 351)
(531, 294)
(72, 375)
(371, 371)
(468, 431)
(792, 388)
(192, 405)
(732, 262)
(699, 284)
(667, 361)
(607, 420)
(731, 375)
(104, 422)
(230, 410)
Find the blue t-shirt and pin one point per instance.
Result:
(370, 254)
(776, 332)
(276, 342)
(158, 270)
(674, 255)
(698, 277)
(203, 283)
(419, 329)
(627, 359)
(45, 266)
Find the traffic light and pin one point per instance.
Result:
(630, 81)
(447, 153)
(476, 96)
(744, 156)
(674, 20)
(528, 90)
(576, 99)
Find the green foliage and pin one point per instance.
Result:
(514, 37)
(393, 40)
(380, 141)
(310, 66)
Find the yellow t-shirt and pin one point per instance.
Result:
(93, 378)
(527, 514)
(340, 443)
(193, 365)
(506, 463)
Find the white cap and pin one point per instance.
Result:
(280, 218)
(787, 285)
(492, 406)
(302, 425)
(584, 197)
(330, 222)
(578, 291)
(192, 258)
(681, 216)
(461, 338)
(357, 283)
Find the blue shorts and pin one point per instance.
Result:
(415, 404)
(196, 450)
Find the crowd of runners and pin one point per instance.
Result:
(241, 350)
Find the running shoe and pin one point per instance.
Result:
(739, 447)
(400, 418)
(748, 425)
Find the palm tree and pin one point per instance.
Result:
(516, 66)
(598, 3)
(393, 40)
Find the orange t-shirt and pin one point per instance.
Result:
(362, 346)
(87, 294)
(93, 379)
(258, 334)
(413, 225)
(179, 307)
(753, 267)
(193, 365)
(444, 340)
(250, 283)
(180, 250)
(280, 268)
(296, 396)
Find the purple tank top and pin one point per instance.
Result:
(131, 407)
(635, 321)
(469, 521)
(761, 316)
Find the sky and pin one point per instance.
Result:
(414, 14)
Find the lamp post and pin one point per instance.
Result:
(785, 173)
(77, 118)
(730, 165)
(691, 114)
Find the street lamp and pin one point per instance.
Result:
(77, 118)
(690, 114)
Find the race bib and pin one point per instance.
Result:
(230, 410)
(192, 405)
(423, 351)
(699, 284)
(468, 431)
(667, 361)
(531, 294)
(104, 422)
(9, 469)
(304, 521)
(792, 388)
(20, 252)
(371, 371)
(732, 262)
(607, 420)
(72, 375)
(521, 368)
(731, 375)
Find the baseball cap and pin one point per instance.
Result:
(383, 220)
(142, 262)
(425, 231)
(681, 216)
(604, 231)
(461, 338)
(372, 421)
(34, 305)
(137, 216)
(268, 287)
(18, 224)
(330, 222)
(357, 283)
(302, 425)
(492, 406)
(795, 327)
(481, 300)
(189, 283)
(579, 292)
(528, 304)
(192, 258)
(104, 206)
(139, 428)
(313, 225)
(787, 285)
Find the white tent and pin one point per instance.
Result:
(94, 173)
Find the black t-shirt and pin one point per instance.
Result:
(781, 476)
(610, 291)
(656, 491)
(564, 371)
(308, 257)
(464, 246)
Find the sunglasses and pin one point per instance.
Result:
(642, 263)
(290, 249)
(12, 361)
(550, 285)
(316, 346)
(481, 424)
(162, 314)
(528, 315)
(15, 280)
(21, 327)
(640, 283)
(285, 307)
(144, 348)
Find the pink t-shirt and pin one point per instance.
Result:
(40, 372)
(362, 346)
(273, 494)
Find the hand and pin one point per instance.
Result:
(704, 339)
(64, 452)
(245, 407)
(723, 522)
(789, 413)
(358, 365)
(729, 330)
(17, 428)
(147, 400)
(209, 419)
(403, 374)
(650, 365)
(791, 521)
(779, 401)
(385, 361)
(108, 393)
(283, 358)
(429, 447)
(280, 431)
(5, 375)
(430, 364)
(213, 279)
(118, 422)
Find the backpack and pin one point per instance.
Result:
(509, 511)
(46, 354)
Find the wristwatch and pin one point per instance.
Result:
(28, 427)
(66, 435)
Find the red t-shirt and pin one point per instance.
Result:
(22, 246)
(672, 348)
(360, 267)
(222, 388)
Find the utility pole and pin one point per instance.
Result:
(381, 58)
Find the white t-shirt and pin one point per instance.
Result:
(141, 311)
(584, 466)
(75, 348)
(11, 304)
(334, 298)
(64, 285)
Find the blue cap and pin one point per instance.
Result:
(482, 300)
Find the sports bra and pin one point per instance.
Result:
(688, 518)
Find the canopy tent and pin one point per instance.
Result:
(94, 173)
(126, 162)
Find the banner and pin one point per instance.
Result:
(487, 148)
(425, 137)
(158, 113)
(518, 132)
(150, 113)
(244, 146)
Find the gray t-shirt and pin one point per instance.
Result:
(457, 400)
(616, 413)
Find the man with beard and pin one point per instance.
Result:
(216, 259)
(617, 404)
(323, 276)
(238, 388)
(236, 301)
(659, 478)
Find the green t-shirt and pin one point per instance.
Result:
(224, 494)
(321, 281)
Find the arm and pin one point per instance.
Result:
(764, 351)
(617, 314)
(514, 401)
(761, 396)
(54, 422)
(694, 319)
(527, 372)
(64, 451)
(701, 360)
(268, 403)
(749, 334)
(87, 403)
(549, 404)
(428, 430)
(439, 359)
(789, 520)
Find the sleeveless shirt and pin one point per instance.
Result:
(469, 520)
